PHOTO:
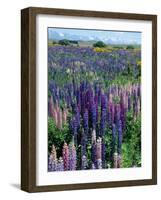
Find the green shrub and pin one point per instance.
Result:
(99, 44)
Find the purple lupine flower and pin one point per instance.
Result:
(72, 157)
(94, 115)
(60, 165)
(103, 102)
(78, 117)
(49, 163)
(119, 129)
(82, 96)
(52, 164)
(53, 159)
(65, 153)
(83, 143)
(85, 122)
(103, 122)
(129, 102)
(117, 114)
(109, 118)
(113, 149)
(122, 116)
(99, 96)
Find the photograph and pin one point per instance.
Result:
(94, 99)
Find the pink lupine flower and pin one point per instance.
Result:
(59, 124)
(66, 156)
(56, 106)
(64, 117)
(53, 152)
(51, 106)
(55, 117)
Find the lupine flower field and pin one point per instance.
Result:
(94, 107)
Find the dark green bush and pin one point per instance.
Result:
(99, 44)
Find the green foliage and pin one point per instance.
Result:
(130, 47)
(99, 44)
(64, 42)
(57, 136)
(131, 147)
(49, 94)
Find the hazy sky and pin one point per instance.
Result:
(84, 34)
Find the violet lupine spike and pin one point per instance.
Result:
(119, 129)
(65, 154)
(52, 159)
(103, 102)
(78, 117)
(72, 157)
(52, 164)
(78, 97)
(122, 116)
(103, 122)
(113, 139)
(82, 96)
(109, 119)
(94, 115)
(117, 114)
(60, 165)
(83, 143)
(75, 129)
(85, 122)
(129, 102)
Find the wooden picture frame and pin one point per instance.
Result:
(28, 98)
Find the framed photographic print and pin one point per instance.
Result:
(88, 99)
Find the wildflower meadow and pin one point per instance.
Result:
(94, 104)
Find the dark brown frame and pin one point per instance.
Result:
(28, 98)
